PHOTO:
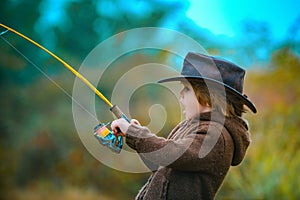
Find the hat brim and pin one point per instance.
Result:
(229, 89)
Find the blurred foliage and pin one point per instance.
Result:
(272, 163)
(41, 154)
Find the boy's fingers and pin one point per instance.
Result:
(119, 125)
(117, 134)
(114, 126)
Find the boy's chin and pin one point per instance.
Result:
(185, 115)
(189, 116)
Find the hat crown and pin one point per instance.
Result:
(209, 67)
(215, 71)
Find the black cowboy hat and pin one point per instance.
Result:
(216, 71)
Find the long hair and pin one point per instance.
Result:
(227, 104)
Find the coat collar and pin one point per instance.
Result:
(217, 117)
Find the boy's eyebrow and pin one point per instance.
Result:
(184, 82)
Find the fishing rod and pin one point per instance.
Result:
(101, 132)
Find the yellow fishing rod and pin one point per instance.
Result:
(101, 132)
(76, 73)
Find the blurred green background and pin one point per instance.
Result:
(41, 154)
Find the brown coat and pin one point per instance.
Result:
(195, 158)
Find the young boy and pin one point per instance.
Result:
(195, 158)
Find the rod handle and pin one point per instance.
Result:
(118, 113)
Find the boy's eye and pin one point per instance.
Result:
(185, 88)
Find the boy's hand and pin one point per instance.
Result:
(122, 125)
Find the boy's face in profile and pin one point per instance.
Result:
(189, 101)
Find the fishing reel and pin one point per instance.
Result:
(107, 138)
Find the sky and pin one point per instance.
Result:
(225, 16)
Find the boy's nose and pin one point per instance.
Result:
(181, 97)
(181, 94)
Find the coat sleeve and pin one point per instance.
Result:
(199, 150)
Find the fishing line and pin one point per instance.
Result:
(113, 108)
(48, 77)
(66, 65)
(3, 32)
(114, 142)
